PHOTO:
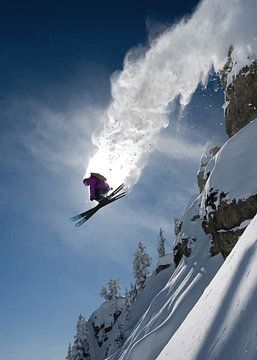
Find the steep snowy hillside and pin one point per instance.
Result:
(107, 325)
(211, 327)
(200, 306)
(222, 324)
(197, 306)
(172, 304)
(231, 173)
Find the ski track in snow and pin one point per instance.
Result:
(171, 305)
(207, 307)
(222, 325)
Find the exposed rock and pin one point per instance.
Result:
(162, 267)
(187, 229)
(229, 198)
(181, 249)
(177, 226)
(227, 222)
(240, 95)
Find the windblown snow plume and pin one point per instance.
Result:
(172, 66)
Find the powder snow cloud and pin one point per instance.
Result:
(171, 67)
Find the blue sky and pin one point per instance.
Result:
(56, 61)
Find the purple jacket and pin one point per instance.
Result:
(95, 184)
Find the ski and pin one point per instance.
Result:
(81, 215)
(92, 211)
(112, 196)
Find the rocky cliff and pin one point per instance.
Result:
(240, 91)
(226, 206)
(229, 198)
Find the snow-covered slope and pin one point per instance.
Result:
(204, 308)
(196, 321)
(105, 328)
(222, 325)
(235, 167)
(172, 304)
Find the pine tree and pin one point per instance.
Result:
(130, 297)
(104, 293)
(69, 355)
(161, 243)
(112, 293)
(120, 339)
(127, 304)
(133, 292)
(80, 349)
(114, 286)
(141, 264)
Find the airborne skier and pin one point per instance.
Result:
(98, 191)
(98, 186)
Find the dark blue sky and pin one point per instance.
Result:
(56, 61)
(46, 43)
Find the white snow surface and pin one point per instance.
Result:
(205, 308)
(240, 60)
(222, 324)
(170, 306)
(235, 166)
(207, 154)
(165, 260)
(103, 316)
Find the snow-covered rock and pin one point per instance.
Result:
(164, 262)
(240, 89)
(103, 328)
(230, 194)
(210, 151)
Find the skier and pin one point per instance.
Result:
(98, 186)
(98, 189)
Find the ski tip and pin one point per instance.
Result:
(81, 222)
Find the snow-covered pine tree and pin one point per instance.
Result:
(133, 292)
(114, 286)
(130, 297)
(103, 293)
(120, 339)
(69, 355)
(141, 264)
(80, 349)
(112, 295)
(127, 304)
(112, 292)
(161, 244)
